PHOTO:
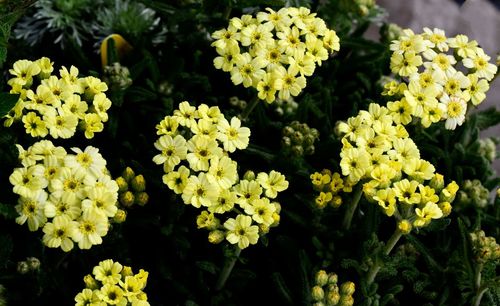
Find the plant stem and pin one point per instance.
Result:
(480, 291)
(226, 271)
(387, 250)
(351, 208)
(250, 106)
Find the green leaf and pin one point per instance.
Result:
(8, 211)
(282, 287)
(6, 246)
(427, 255)
(487, 118)
(7, 102)
(210, 267)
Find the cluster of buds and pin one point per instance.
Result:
(56, 104)
(488, 148)
(117, 76)
(473, 193)
(286, 107)
(238, 103)
(486, 249)
(327, 291)
(113, 284)
(31, 264)
(298, 139)
(132, 189)
(330, 187)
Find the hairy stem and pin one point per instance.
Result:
(250, 106)
(372, 273)
(351, 208)
(480, 291)
(228, 267)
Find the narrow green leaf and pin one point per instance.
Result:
(7, 102)
(282, 287)
(210, 267)
(433, 264)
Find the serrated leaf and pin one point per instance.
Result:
(487, 118)
(7, 102)
(210, 267)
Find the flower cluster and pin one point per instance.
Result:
(286, 107)
(298, 139)
(132, 189)
(113, 284)
(70, 196)
(439, 76)
(378, 153)
(486, 249)
(472, 193)
(194, 145)
(330, 186)
(327, 292)
(274, 51)
(54, 105)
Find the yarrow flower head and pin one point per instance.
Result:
(69, 196)
(56, 104)
(378, 153)
(113, 284)
(274, 51)
(194, 146)
(438, 77)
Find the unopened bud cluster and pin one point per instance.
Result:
(31, 264)
(117, 76)
(286, 107)
(238, 103)
(486, 249)
(328, 292)
(132, 191)
(298, 139)
(473, 193)
(488, 148)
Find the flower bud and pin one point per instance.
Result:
(276, 220)
(332, 298)
(138, 183)
(286, 141)
(346, 301)
(234, 101)
(127, 199)
(33, 263)
(122, 184)
(404, 226)
(141, 198)
(297, 137)
(126, 271)
(297, 150)
(90, 282)
(263, 229)
(23, 267)
(347, 288)
(333, 279)
(437, 182)
(309, 150)
(128, 174)
(216, 237)
(120, 216)
(321, 278)
(317, 293)
(249, 175)
(445, 208)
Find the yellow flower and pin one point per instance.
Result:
(454, 109)
(405, 64)
(201, 150)
(288, 83)
(112, 295)
(273, 183)
(406, 191)
(177, 180)
(168, 126)
(261, 211)
(266, 88)
(59, 233)
(200, 191)
(247, 191)
(479, 62)
(92, 123)
(223, 172)
(248, 70)
(207, 220)
(224, 203)
(227, 58)
(108, 272)
(323, 199)
(424, 215)
(477, 89)
(232, 135)
(241, 231)
(34, 125)
(90, 230)
(173, 151)
(386, 199)
(32, 210)
(354, 163)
